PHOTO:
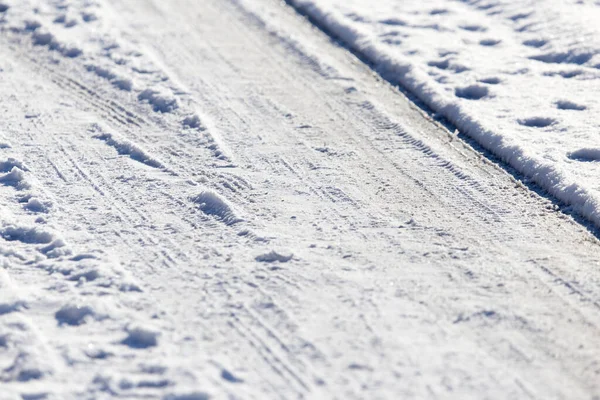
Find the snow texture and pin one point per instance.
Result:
(127, 148)
(212, 199)
(73, 315)
(140, 338)
(537, 60)
(159, 102)
(214, 205)
(274, 256)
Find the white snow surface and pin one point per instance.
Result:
(520, 77)
(212, 200)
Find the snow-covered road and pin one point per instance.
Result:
(213, 200)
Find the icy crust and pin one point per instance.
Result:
(352, 24)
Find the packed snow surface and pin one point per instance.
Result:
(214, 200)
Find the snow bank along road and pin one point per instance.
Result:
(211, 200)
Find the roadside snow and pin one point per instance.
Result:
(520, 77)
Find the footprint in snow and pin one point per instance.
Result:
(569, 105)
(585, 154)
(140, 338)
(535, 43)
(569, 57)
(188, 396)
(438, 11)
(490, 81)
(489, 42)
(229, 377)
(393, 22)
(274, 256)
(26, 235)
(448, 64)
(537, 122)
(73, 315)
(472, 92)
(88, 17)
(565, 74)
(520, 16)
(473, 28)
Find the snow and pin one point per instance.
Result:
(73, 314)
(124, 147)
(205, 200)
(214, 205)
(140, 338)
(16, 178)
(36, 205)
(274, 256)
(26, 234)
(159, 102)
(536, 64)
(192, 121)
